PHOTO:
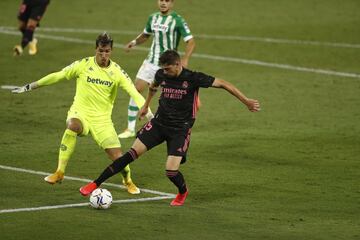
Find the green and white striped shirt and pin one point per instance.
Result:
(166, 31)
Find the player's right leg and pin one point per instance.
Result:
(67, 147)
(133, 110)
(119, 164)
(18, 50)
(144, 77)
(149, 136)
(115, 153)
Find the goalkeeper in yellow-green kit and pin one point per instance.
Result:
(97, 81)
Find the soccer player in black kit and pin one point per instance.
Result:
(30, 14)
(172, 122)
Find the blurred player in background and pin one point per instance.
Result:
(30, 14)
(173, 120)
(167, 27)
(97, 81)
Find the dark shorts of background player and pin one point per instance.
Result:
(177, 140)
(32, 9)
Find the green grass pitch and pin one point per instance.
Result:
(291, 171)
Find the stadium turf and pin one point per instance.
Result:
(290, 171)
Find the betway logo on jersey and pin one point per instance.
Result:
(99, 81)
(160, 27)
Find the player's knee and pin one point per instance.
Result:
(75, 127)
(139, 88)
(171, 173)
(31, 27)
(22, 28)
(22, 25)
(141, 85)
(114, 154)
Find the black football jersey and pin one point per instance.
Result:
(178, 99)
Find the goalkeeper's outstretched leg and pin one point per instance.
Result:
(67, 147)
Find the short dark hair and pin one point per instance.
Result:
(169, 57)
(104, 39)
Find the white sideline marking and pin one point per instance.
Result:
(279, 40)
(205, 36)
(82, 180)
(207, 56)
(278, 65)
(219, 58)
(80, 205)
(162, 196)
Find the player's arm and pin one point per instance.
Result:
(50, 79)
(188, 39)
(152, 90)
(189, 49)
(252, 104)
(143, 37)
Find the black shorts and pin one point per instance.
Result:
(177, 140)
(32, 9)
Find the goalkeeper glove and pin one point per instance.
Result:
(22, 89)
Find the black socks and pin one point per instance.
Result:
(177, 178)
(27, 37)
(118, 165)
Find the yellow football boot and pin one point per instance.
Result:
(33, 47)
(18, 50)
(131, 187)
(56, 177)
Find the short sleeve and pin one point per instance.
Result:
(148, 29)
(203, 80)
(184, 29)
(159, 77)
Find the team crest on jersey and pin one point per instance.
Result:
(186, 27)
(185, 84)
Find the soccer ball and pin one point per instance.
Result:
(100, 198)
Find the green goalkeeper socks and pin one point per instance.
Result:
(67, 147)
(126, 173)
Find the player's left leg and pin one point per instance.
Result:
(28, 33)
(36, 14)
(28, 37)
(177, 145)
(115, 153)
(176, 177)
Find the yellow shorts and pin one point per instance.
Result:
(102, 130)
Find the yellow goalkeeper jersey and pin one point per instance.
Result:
(96, 87)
